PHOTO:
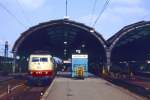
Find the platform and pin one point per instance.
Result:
(88, 89)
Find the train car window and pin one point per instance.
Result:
(35, 59)
(43, 59)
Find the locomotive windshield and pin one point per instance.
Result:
(35, 59)
(43, 59)
(38, 59)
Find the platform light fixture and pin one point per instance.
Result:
(65, 53)
(78, 51)
(65, 50)
(65, 42)
(148, 61)
(27, 59)
(17, 57)
(83, 45)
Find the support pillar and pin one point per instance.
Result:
(14, 62)
(108, 55)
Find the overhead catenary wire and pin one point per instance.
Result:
(23, 12)
(12, 15)
(145, 16)
(101, 12)
(92, 12)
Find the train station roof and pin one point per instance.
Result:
(132, 41)
(130, 33)
(59, 37)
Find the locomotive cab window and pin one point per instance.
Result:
(35, 59)
(43, 59)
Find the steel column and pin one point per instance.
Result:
(108, 56)
(14, 62)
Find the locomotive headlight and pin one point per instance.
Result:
(46, 72)
(31, 72)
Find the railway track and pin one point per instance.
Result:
(25, 93)
(135, 85)
(17, 89)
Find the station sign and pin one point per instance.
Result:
(79, 56)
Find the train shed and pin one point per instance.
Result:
(130, 47)
(62, 38)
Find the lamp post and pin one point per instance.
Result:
(65, 49)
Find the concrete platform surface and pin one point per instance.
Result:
(88, 89)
